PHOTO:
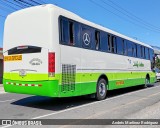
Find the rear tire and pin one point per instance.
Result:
(101, 90)
(147, 82)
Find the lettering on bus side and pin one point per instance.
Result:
(120, 82)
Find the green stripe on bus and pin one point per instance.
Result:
(29, 77)
(48, 88)
(53, 89)
(80, 77)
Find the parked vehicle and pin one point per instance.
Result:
(157, 71)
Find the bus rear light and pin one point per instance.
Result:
(51, 64)
(22, 47)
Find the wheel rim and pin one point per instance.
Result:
(102, 89)
(147, 82)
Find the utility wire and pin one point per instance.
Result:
(42, 1)
(26, 2)
(35, 2)
(4, 9)
(7, 5)
(20, 3)
(129, 14)
(13, 3)
(97, 4)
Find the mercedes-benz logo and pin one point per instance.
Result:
(22, 72)
(86, 38)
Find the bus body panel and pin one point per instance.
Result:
(27, 27)
(121, 71)
(34, 65)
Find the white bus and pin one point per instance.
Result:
(49, 51)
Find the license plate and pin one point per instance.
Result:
(13, 58)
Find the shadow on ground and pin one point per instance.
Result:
(57, 104)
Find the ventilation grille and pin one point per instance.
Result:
(68, 77)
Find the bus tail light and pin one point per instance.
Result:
(51, 64)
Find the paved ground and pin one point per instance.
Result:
(130, 103)
(1, 89)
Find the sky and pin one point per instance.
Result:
(138, 19)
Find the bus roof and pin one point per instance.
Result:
(77, 18)
(80, 19)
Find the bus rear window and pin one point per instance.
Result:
(24, 50)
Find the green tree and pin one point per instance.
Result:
(157, 62)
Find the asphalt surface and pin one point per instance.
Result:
(130, 103)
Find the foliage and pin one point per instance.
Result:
(157, 62)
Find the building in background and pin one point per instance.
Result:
(1, 64)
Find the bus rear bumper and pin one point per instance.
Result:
(40, 88)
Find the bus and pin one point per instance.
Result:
(49, 51)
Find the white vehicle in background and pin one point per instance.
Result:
(157, 71)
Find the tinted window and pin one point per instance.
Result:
(97, 40)
(152, 58)
(151, 54)
(64, 29)
(71, 33)
(120, 46)
(134, 50)
(146, 53)
(129, 46)
(76, 34)
(141, 49)
(125, 47)
(86, 36)
(104, 41)
(24, 50)
(112, 46)
(109, 42)
(142, 52)
(138, 51)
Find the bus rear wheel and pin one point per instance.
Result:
(101, 90)
(147, 82)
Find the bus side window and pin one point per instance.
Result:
(109, 43)
(71, 33)
(77, 34)
(113, 46)
(144, 56)
(120, 46)
(125, 50)
(97, 40)
(146, 53)
(138, 51)
(86, 35)
(141, 47)
(130, 48)
(134, 50)
(103, 41)
(64, 33)
(151, 54)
